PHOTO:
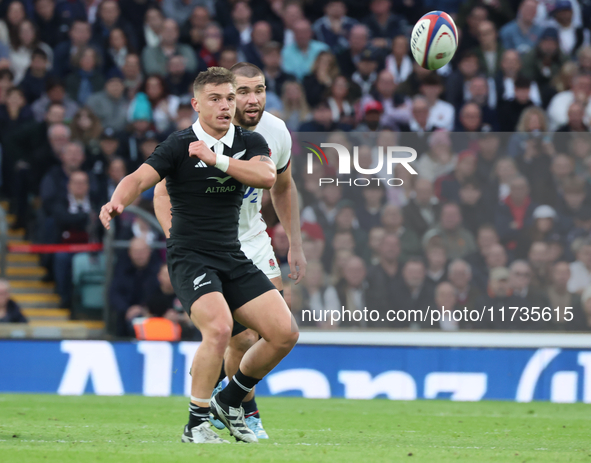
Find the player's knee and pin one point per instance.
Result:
(218, 335)
(285, 341)
(244, 341)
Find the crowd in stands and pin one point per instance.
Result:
(89, 87)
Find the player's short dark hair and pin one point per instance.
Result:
(214, 75)
(245, 69)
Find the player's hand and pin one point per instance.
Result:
(108, 211)
(297, 264)
(198, 149)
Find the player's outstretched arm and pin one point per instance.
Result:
(128, 189)
(162, 207)
(284, 195)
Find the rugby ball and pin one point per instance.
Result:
(434, 40)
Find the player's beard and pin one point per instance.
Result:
(247, 122)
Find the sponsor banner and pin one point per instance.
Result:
(313, 371)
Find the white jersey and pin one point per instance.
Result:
(278, 138)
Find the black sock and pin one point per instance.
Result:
(251, 409)
(237, 389)
(197, 415)
(222, 373)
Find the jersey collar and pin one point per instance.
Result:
(227, 139)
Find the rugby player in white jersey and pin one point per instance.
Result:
(255, 243)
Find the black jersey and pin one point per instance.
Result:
(205, 201)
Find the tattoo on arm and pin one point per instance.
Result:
(264, 159)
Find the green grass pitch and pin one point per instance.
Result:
(49, 428)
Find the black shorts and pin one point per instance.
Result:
(195, 273)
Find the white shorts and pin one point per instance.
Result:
(259, 250)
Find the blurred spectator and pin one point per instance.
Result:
(372, 114)
(520, 280)
(398, 62)
(108, 19)
(460, 276)
(419, 122)
(489, 144)
(510, 110)
(441, 113)
(322, 120)
(470, 30)
(522, 33)
(15, 14)
(375, 236)
(580, 269)
(495, 256)
(470, 120)
(313, 241)
(489, 52)
(22, 47)
(422, 211)
(153, 20)
(55, 92)
(86, 128)
(253, 51)
(86, 77)
(586, 301)
(318, 296)
(539, 260)
(178, 80)
(571, 36)
(164, 106)
(299, 57)
(475, 209)
(295, 107)
(6, 77)
(365, 74)
(13, 114)
(485, 238)
(499, 295)
(445, 304)
(334, 27)
(456, 239)
(34, 81)
(397, 107)
(76, 222)
(275, 78)
(383, 276)
(10, 312)
(447, 187)
(115, 172)
(55, 182)
(383, 24)
(543, 63)
(213, 42)
(352, 289)
(238, 32)
(79, 37)
(349, 57)
(341, 100)
(317, 83)
(180, 10)
(439, 160)
(110, 105)
(369, 212)
(479, 91)
(515, 213)
(414, 292)
(455, 91)
(132, 75)
(576, 113)
(436, 263)
(560, 297)
(393, 222)
(154, 58)
(118, 48)
(560, 103)
(132, 281)
(292, 13)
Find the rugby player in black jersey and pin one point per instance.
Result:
(207, 167)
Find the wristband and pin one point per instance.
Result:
(222, 162)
